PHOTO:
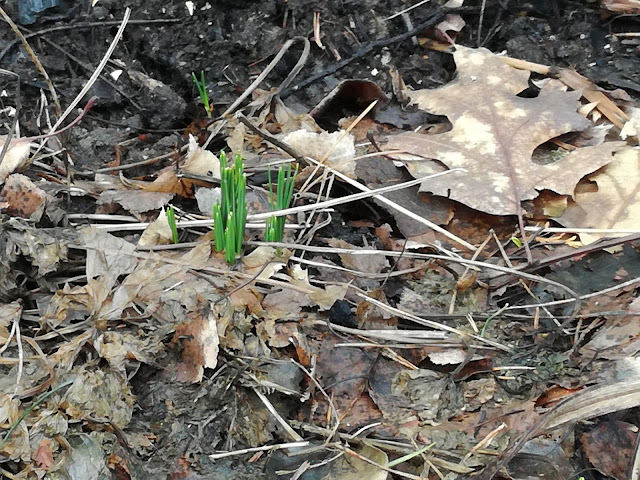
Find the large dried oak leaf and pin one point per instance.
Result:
(494, 135)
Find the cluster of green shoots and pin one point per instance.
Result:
(201, 85)
(281, 200)
(230, 214)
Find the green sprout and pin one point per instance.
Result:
(516, 241)
(281, 200)
(201, 85)
(230, 215)
(171, 218)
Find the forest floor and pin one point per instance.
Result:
(478, 314)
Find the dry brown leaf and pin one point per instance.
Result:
(361, 263)
(198, 162)
(158, 232)
(616, 204)
(136, 201)
(107, 255)
(80, 302)
(610, 447)
(100, 393)
(200, 341)
(24, 198)
(305, 295)
(494, 135)
(617, 338)
(9, 313)
(117, 348)
(43, 456)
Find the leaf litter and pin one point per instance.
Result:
(346, 350)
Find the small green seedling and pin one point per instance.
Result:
(230, 215)
(201, 85)
(281, 200)
(171, 218)
(516, 241)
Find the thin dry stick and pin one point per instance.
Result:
(581, 230)
(505, 257)
(476, 254)
(399, 336)
(20, 353)
(485, 441)
(96, 74)
(280, 446)
(626, 284)
(287, 428)
(429, 323)
(482, 7)
(334, 410)
(34, 58)
(408, 9)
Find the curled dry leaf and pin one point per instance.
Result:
(158, 232)
(621, 6)
(198, 162)
(338, 148)
(494, 135)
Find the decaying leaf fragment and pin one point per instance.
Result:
(616, 204)
(494, 135)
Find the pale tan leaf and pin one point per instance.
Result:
(201, 162)
(352, 468)
(158, 232)
(340, 148)
(616, 204)
(108, 256)
(136, 201)
(494, 135)
(16, 158)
